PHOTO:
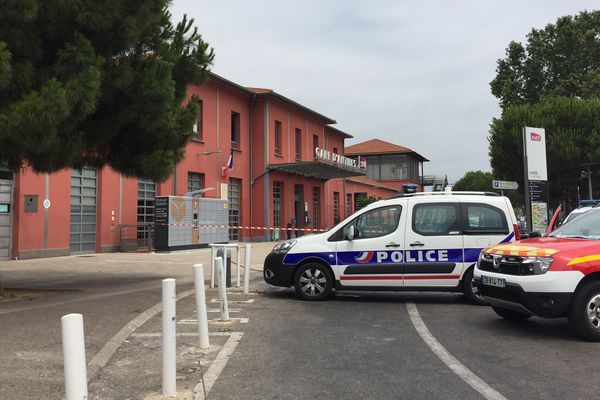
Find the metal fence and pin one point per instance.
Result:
(136, 237)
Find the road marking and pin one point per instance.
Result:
(451, 362)
(249, 301)
(183, 334)
(214, 321)
(106, 352)
(217, 366)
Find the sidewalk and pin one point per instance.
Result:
(134, 371)
(111, 290)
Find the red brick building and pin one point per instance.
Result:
(288, 169)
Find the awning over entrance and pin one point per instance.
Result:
(319, 169)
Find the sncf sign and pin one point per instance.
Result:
(536, 137)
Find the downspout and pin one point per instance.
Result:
(251, 123)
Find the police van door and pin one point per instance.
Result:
(372, 256)
(433, 253)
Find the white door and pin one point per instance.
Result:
(374, 256)
(433, 253)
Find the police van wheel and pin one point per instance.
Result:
(313, 282)
(510, 314)
(585, 312)
(470, 290)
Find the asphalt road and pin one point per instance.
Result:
(361, 345)
(356, 345)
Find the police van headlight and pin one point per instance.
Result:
(537, 265)
(284, 247)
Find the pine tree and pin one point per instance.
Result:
(97, 83)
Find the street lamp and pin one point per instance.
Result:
(588, 173)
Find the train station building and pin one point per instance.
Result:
(282, 167)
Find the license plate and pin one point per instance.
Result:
(491, 281)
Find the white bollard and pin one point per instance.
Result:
(222, 289)
(169, 335)
(201, 306)
(247, 270)
(74, 357)
(239, 265)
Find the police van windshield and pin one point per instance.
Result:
(587, 226)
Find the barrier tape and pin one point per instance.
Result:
(245, 227)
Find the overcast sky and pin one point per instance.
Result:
(415, 73)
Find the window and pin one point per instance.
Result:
(235, 187)
(277, 192)
(335, 150)
(195, 181)
(278, 138)
(235, 130)
(360, 199)
(375, 223)
(315, 144)
(298, 144)
(348, 204)
(316, 198)
(198, 131)
(145, 214)
(336, 207)
(482, 218)
(392, 167)
(436, 219)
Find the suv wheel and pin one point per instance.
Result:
(470, 290)
(313, 281)
(585, 312)
(510, 314)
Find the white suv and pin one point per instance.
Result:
(419, 241)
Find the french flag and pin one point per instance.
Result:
(229, 166)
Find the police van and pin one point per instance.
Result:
(418, 241)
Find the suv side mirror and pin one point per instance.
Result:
(351, 232)
(534, 234)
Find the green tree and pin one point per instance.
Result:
(478, 181)
(97, 83)
(553, 82)
(563, 59)
(572, 138)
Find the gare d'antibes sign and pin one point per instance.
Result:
(329, 156)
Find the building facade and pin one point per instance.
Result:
(289, 175)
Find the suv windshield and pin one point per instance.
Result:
(587, 226)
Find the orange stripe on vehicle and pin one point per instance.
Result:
(521, 251)
(580, 260)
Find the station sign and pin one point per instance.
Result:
(536, 178)
(505, 185)
(335, 158)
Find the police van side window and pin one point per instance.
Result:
(483, 219)
(436, 219)
(372, 224)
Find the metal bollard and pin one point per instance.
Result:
(74, 357)
(225, 255)
(239, 265)
(212, 267)
(247, 269)
(222, 289)
(169, 337)
(201, 306)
